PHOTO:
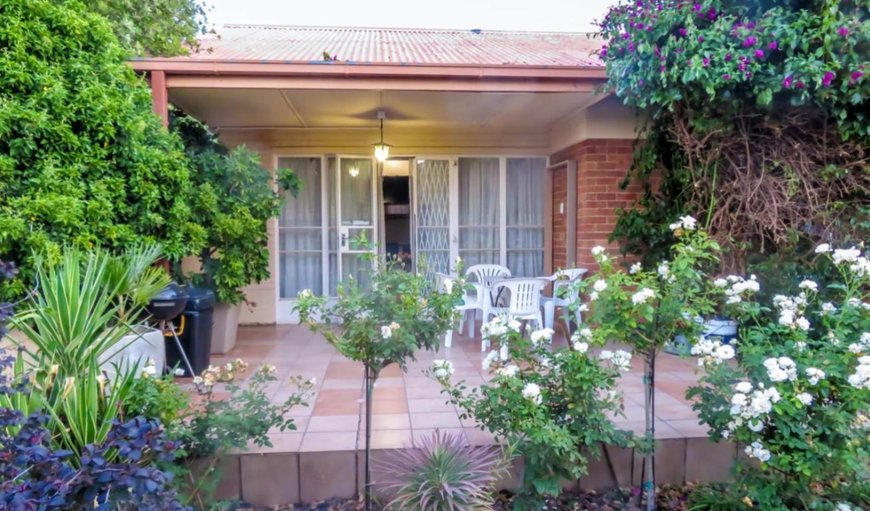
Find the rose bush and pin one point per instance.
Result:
(799, 399)
(553, 406)
(648, 307)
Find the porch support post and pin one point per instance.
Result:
(160, 96)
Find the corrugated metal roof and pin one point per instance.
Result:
(259, 43)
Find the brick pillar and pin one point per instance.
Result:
(160, 96)
(560, 217)
(602, 165)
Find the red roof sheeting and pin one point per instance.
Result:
(260, 43)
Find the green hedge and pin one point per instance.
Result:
(83, 160)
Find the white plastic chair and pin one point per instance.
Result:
(480, 276)
(563, 280)
(468, 303)
(524, 303)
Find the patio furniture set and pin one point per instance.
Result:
(496, 293)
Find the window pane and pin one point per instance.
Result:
(300, 237)
(525, 215)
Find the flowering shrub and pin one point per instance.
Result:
(552, 406)
(799, 400)
(645, 308)
(758, 116)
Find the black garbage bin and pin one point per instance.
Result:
(194, 327)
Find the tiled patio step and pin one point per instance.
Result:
(277, 478)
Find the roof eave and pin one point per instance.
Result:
(182, 66)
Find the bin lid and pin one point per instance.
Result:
(199, 299)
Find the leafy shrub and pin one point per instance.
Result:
(83, 159)
(234, 199)
(115, 475)
(551, 406)
(78, 318)
(799, 399)
(442, 474)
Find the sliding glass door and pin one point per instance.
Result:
(486, 210)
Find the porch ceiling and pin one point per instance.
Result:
(407, 111)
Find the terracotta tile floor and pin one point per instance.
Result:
(409, 405)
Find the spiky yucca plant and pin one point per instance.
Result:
(442, 474)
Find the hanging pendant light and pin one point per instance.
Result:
(382, 150)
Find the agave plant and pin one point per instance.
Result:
(442, 474)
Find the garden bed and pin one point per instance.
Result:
(670, 498)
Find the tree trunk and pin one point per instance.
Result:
(649, 484)
(367, 491)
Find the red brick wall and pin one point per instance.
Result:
(560, 220)
(601, 166)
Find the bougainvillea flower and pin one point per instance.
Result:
(682, 32)
(749, 42)
(726, 76)
(843, 31)
(828, 78)
(787, 81)
(759, 54)
(773, 45)
(856, 75)
(700, 39)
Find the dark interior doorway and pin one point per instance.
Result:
(397, 219)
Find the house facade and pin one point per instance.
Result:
(502, 147)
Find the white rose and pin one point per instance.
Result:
(744, 387)
(386, 332)
(824, 248)
(805, 398)
(581, 347)
(532, 392)
(599, 285)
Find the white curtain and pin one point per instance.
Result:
(525, 216)
(300, 241)
(479, 211)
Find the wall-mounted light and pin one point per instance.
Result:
(353, 171)
(382, 150)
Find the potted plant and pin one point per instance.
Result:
(234, 200)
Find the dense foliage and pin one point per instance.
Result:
(234, 198)
(115, 474)
(83, 160)
(758, 115)
(799, 400)
(155, 27)
(551, 405)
